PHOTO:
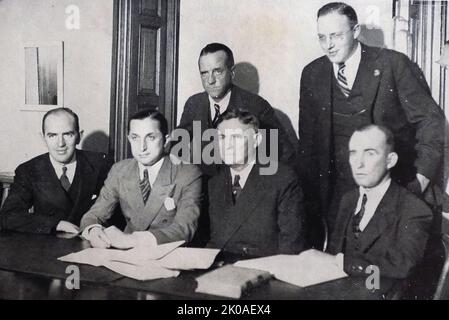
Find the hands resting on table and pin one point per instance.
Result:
(113, 237)
(100, 237)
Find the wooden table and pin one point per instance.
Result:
(29, 269)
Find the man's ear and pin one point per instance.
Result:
(80, 136)
(233, 71)
(356, 31)
(392, 159)
(257, 139)
(167, 141)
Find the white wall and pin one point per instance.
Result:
(278, 37)
(87, 69)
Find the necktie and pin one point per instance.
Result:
(358, 217)
(145, 186)
(342, 81)
(236, 189)
(217, 115)
(65, 183)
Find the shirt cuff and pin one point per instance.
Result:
(87, 229)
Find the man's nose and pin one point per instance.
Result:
(143, 144)
(211, 79)
(329, 43)
(61, 141)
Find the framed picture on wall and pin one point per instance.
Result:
(44, 75)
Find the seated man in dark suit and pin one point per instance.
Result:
(381, 223)
(159, 196)
(52, 191)
(252, 212)
(216, 67)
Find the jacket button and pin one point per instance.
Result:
(245, 250)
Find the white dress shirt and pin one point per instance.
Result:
(243, 173)
(224, 103)
(374, 197)
(71, 168)
(153, 170)
(352, 66)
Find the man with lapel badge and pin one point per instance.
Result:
(380, 223)
(158, 195)
(354, 85)
(51, 192)
(252, 212)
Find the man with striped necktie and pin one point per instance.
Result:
(158, 196)
(354, 85)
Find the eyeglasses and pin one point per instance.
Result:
(333, 36)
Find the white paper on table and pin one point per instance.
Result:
(92, 256)
(138, 256)
(149, 271)
(141, 255)
(306, 269)
(189, 258)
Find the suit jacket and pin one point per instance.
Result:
(37, 185)
(180, 182)
(394, 239)
(395, 94)
(267, 218)
(197, 108)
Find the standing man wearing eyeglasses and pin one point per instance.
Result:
(354, 85)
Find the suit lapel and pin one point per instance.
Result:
(368, 76)
(344, 217)
(383, 217)
(162, 188)
(254, 190)
(84, 182)
(50, 186)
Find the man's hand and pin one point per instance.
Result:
(423, 181)
(65, 226)
(122, 240)
(98, 238)
(119, 239)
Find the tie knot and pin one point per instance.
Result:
(217, 108)
(145, 175)
(64, 169)
(237, 181)
(364, 199)
(341, 67)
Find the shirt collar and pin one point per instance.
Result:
(153, 170)
(58, 165)
(376, 192)
(223, 103)
(354, 60)
(352, 65)
(244, 174)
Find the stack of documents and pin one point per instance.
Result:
(308, 268)
(145, 263)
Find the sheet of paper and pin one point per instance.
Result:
(93, 256)
(306, 269)
(149, 271)
(189, 258)
(137, 256)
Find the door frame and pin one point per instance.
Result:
(121, 60)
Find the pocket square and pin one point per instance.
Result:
(94, 196)
(169, 204)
